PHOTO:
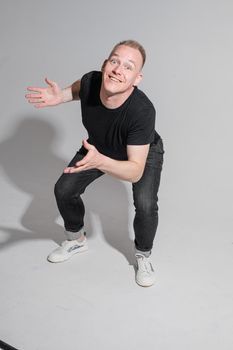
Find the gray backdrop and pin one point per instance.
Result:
(188, 76)
(93, 300)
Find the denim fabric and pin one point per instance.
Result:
(145, 195)
(69, 188)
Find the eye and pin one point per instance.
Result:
(128, 67)
(113, 61)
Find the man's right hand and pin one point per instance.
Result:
(52, 95)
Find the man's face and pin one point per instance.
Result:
(122, 70)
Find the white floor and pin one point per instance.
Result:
(92, 301)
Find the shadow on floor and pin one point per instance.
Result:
(30, 164)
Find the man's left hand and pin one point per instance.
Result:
(92, 160)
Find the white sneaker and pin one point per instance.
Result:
(145, 275)
(67, 250)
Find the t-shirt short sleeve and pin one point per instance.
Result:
(90, 84)
(142, 128)
(84, 86)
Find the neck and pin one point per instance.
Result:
(116, 100)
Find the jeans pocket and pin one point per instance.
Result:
(155, 155)
(159, 146)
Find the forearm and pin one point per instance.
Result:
(66, 94)
(129, 170)
(122, 169)
(71, 92)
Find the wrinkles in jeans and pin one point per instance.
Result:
(70, 187)
(145, 195)
(68, 190)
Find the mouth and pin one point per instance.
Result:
(114, 79)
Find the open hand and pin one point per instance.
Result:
(92, 160)
(44, 97)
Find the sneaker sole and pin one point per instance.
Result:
(81, 250)
(145, 285)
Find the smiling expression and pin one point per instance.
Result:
(121, 72)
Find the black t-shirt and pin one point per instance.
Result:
(111, 130)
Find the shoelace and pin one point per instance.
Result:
(71, 243)
(144, 265)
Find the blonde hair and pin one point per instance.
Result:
(135, 45)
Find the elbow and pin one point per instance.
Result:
(136, 178)
(137, 174)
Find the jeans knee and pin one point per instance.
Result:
(146, 207)
(61, 191)
(58, 191)
(66, 193)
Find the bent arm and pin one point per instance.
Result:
(129, 170)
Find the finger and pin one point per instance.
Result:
(35, 89)
(83, 161)
(40, 105)
(79, 169)
(66, 170)
(35, 101)
(80, 163)
(50, 82)
(34, 96)
(87, 145)
(70, 170)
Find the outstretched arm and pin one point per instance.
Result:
(52, 95)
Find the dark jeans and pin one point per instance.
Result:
(69, 188)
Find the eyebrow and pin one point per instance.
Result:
(115, 54)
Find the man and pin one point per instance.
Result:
(122, 142)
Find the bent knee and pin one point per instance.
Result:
(146, 207)
(64, 189)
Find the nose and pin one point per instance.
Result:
(117, 69)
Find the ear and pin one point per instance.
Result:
(138, 79)
(103, 65)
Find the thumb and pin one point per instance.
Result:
(87, 145)
(50, 82)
